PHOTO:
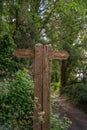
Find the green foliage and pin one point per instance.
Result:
(55, 88)
(58, 123)
(59, 23)
(16, 102)
(66, 31)
(77, 93)
(7, 61)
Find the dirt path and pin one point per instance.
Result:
(78, 118)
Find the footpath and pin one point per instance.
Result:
(78, 117)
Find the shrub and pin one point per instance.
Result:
(7, 60)
(16, 102)
(77, 93)
(58, 123)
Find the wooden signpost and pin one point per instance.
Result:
(43, 56)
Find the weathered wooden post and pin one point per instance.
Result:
(48, 56)
(43, 56)
(38, 87)
(46, 86)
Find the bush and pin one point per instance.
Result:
(7, 60)
(58, 123)
(77, 93)
(16, 102)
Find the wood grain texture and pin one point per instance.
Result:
(62, 55)
(24, 53)
(43, 56)
(46, 87)
(38, 86)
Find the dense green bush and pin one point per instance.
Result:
(7, 60)
(77, 93)
(16, 102)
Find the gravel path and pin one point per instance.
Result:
(78, 117)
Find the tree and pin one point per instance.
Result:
(55, 22)
(63, 31)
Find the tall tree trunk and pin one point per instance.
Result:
(63, 74)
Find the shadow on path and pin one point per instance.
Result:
(78, 117)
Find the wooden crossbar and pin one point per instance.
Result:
(62, 55)
(24, 53)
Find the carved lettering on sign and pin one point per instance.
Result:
(63, 55)
(24, 53)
